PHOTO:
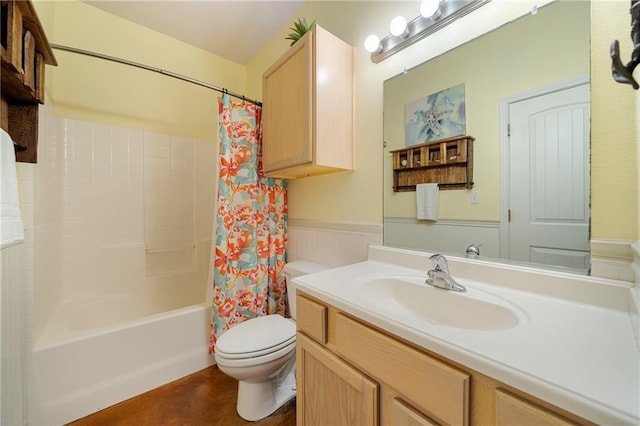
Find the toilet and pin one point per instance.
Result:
(260, 354)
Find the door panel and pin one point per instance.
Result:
(549, 179)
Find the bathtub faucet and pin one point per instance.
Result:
(439, 276)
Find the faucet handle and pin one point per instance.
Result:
(439, 263)
(473, 250)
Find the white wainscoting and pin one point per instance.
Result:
(330, 243)
(449, 236)
(634, 307)
(612, 259)
(13, 399)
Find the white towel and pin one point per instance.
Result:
(427, 201)
(11, 229)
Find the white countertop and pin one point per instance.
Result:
(579, 356)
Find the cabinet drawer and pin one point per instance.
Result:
(430, 385)
(311, 319)
(513, 410)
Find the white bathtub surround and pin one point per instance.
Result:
(100, 218)
(574, 346)
(86, 276)
(331, 243)
(81, 375)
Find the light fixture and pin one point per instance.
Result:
(434, 15)
(398, 27)
(372, 44)
(430, 8)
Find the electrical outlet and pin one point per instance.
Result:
(475, 197)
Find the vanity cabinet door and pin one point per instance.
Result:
(330, 391)
(513, 410)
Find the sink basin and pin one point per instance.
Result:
(409, 295)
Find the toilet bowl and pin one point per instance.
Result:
(260, 354)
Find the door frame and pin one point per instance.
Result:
(505, 183)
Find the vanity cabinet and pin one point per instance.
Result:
(350, 372)
(24, 51)
(307, 126)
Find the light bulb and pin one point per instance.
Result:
(430, 8)
(398, 26)
(372, 44)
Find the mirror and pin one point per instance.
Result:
(532, 75)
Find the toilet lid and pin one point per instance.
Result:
(257, 336)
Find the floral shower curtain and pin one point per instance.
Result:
(250, 225)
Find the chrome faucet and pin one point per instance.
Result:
(439, 275)
(473, 251)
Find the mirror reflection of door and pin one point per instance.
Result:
(547, 211)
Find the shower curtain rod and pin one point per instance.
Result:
(157, 70)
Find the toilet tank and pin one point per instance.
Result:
(294, 269)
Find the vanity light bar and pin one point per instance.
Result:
(420, 27)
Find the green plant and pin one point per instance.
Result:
(299, 29)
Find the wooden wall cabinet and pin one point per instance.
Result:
(308, 108)
(448, 162)
(24, 51)
(349, 372)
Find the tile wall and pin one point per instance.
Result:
(100, 198)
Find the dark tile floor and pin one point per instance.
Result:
(207, 397)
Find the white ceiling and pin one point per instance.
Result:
(235, 30)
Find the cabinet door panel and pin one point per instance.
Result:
(287, 96)
(330, 391)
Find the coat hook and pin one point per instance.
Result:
(624, 73)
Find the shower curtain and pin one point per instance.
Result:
(250, 226)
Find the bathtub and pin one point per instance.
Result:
(95, 353)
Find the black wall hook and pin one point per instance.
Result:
(624, 73)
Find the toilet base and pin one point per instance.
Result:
(257, 400)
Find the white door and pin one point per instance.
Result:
(549, 179)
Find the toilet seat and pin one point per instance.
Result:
(269, 336)
(222, 360)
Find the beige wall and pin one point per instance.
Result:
(90, 89)
(614, 182)
(105, 92)
(357, 196)
(530, 53)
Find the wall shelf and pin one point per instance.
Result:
(24, 50)
(447, 162)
